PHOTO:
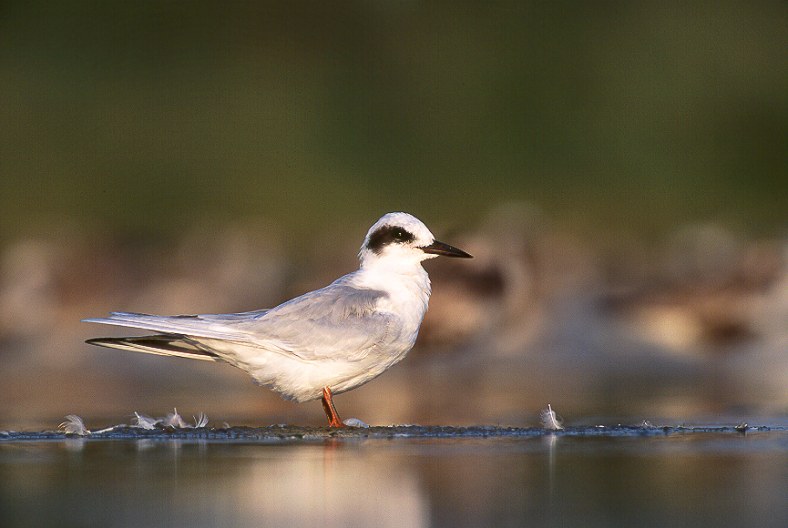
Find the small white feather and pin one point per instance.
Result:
(355, 422)
(174, 420)
(550, 419)
(108, 429)
(201, 420)
(145, 422)
(74, 425)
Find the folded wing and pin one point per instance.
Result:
(337, 319)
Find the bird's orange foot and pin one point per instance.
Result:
(331, 412)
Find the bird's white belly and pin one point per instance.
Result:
(303, 380)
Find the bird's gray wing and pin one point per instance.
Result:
(339, 319)
(213, 326)
(336, 319)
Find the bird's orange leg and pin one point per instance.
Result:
(331, 412)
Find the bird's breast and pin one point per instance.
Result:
(408, 305)
(406, 295)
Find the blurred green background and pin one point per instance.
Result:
(143, 118)
(618, 169)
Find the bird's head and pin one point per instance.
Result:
(401, 239)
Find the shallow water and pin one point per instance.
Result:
(409, 476)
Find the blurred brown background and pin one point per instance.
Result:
(618, 170)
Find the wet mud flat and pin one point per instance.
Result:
(294, 433)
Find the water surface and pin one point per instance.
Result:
(397, 477)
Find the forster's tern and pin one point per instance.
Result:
(324, 342)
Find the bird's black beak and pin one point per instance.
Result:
(439, 248)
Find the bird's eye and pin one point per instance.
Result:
(386, 235)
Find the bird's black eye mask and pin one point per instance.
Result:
(386, 235)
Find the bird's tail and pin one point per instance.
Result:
(162, 345)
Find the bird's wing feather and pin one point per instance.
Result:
(163, 345)
(192, 325)
(339, 318)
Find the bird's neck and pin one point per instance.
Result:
(405, 285)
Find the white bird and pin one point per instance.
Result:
(324, 342)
